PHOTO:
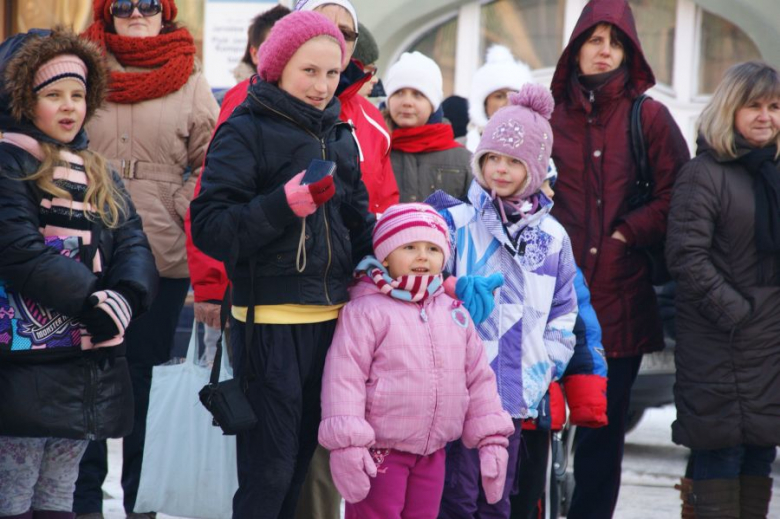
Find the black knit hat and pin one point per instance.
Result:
(366, 49)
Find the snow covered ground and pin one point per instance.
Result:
(651, 466)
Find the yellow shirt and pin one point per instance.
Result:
(289, 314)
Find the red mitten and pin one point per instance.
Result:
(492, 465)
(304, 200)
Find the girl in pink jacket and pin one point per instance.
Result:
(406, 374)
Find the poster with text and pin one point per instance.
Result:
(224, 37)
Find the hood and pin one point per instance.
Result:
(617, 13)
(21, 56)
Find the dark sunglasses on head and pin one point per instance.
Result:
(348, 34)
(124, 8)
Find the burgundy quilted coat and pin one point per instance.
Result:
(597, 175)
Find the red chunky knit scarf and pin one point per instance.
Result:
(170, 58)
(424, 139)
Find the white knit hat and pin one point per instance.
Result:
(311, 5)
(418, 71)
(499, 71)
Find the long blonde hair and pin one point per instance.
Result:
(742, 84)
(103, 195)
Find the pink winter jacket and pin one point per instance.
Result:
(397, 377)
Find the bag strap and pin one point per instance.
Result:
(644, 181)
(224, 312)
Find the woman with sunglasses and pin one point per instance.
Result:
(156, 125)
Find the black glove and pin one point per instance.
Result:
(107, 315)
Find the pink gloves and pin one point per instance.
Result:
(492, 464)
(351, 467)
(304, 200)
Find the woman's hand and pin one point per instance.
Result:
(617, 235)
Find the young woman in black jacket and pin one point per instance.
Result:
(75, 267)
(289, 249)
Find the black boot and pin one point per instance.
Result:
(716, 499)
(754, 495)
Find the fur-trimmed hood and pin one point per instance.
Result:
(20, 58)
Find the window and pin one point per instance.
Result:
(439, 45)
(655, 23)
(531, 29)
(723, 44)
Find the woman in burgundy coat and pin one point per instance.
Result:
(599, 75)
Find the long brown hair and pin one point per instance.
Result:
(103, 195)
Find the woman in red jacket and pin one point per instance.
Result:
(599, 75)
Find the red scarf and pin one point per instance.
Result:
(170, 58)
(424, 139)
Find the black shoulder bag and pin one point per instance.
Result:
(659, 273)
(226, 400)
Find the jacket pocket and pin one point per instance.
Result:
(619, 263)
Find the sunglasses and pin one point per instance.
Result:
(124, 8)
(348, 34)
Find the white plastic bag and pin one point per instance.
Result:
(189, 467)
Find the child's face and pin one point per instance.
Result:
(418, 258)
(503, 174)
(312, 74)
(496, 100)
(409, 108)
(60, 109)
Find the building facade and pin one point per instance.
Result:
(689, 43)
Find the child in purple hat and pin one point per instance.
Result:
(506, 227)
(289, 247)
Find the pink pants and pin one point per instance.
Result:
(406, 486)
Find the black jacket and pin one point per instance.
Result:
(241, 214)
(76, 397)
(727, 390)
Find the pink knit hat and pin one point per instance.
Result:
(521, 130)
(64, 66)
(407, 223)
(286, 37)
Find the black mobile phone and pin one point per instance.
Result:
(317, 170)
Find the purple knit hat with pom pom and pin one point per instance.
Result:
(286, 37)
(521, 130)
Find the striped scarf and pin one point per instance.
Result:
(412, 289)
(62, 217)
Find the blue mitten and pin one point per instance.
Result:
(476, 292)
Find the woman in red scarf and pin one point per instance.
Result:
(424, 153)
(156, 125)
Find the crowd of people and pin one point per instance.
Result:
(411, 326)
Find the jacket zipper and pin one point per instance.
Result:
(90, 401)
(424, 317)
(327, 237)
(324, 210)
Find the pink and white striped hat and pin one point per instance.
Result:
(407, 223)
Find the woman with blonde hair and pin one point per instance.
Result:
(723, 248)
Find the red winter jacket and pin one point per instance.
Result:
(207, 275)
(597, 175)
